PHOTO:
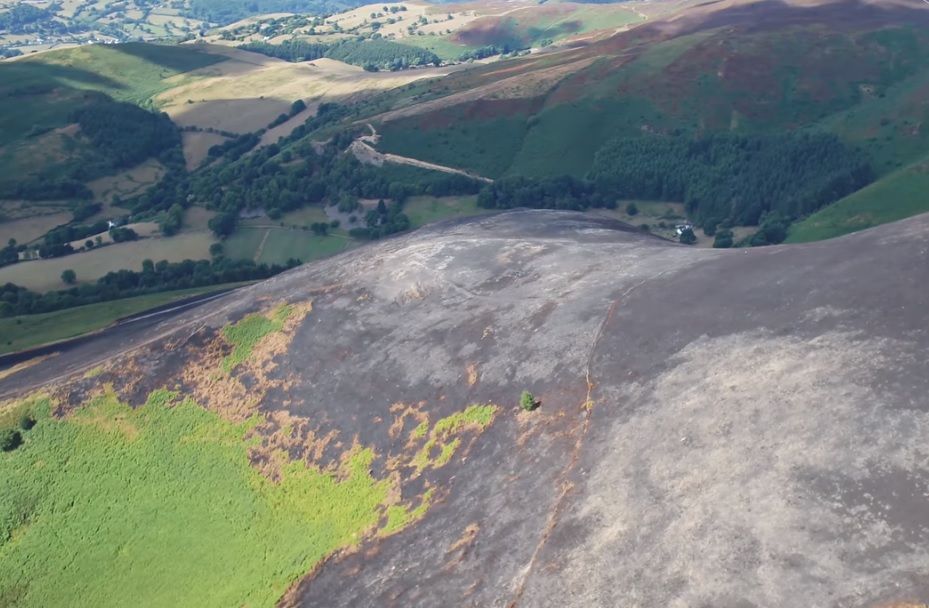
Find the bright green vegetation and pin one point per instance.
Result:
(401, 516)
(160, 506)
(446, 49)
(420, 431)
(27, 331)
(245, 335)
(444, 438)
(527, 401)
(899, 195)
(424, 210)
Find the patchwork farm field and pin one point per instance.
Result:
(45, 275)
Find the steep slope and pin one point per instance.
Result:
(726, 428)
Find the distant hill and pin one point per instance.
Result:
(854, 69)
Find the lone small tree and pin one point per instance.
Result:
(632, 209)
(69, 276)
(527, 401)
(688, 237)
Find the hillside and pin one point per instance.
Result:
(348, 433)
(850, 68)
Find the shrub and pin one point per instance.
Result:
(26, 422)
(632, 209)
(527, 401)
(723, 239)
(10, 439)
(688, 237)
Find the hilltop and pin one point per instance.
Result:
(352, 435)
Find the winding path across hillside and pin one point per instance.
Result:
(364, 151)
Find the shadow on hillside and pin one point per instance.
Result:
(759, 16)
(27, 78)
(174, 57)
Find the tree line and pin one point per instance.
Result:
(120, 135)
(154, 277)
(374, 54)
(732, 178)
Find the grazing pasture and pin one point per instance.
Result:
(44, 275)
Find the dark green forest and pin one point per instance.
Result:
(734, 178)
(124, 135)
(113, 136)
(374, 54)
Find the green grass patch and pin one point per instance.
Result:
(401, 516)
(244, 335)
(424, 210)
(28, 331)
(444, 439)
(899, 195)
(283, 243)
(440, 45)
(160, 506)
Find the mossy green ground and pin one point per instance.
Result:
(159, 506)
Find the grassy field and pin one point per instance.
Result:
(28, 229)
(159, 506)
(901, 194)
(28, 331)
(423, 210)
(446, 49)
(43, 275)
(276, 245)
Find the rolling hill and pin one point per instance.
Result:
(851, 68)
(348, 433)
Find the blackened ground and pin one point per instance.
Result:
(718, 428)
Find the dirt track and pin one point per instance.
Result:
(364, 151)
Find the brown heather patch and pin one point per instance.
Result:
(225, 393)
(402, 411)
(461, 547)
(473, 374)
